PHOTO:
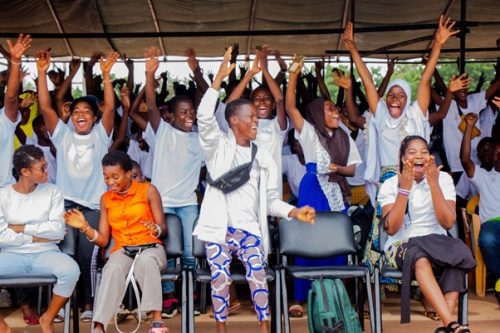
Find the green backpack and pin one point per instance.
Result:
(329, 308)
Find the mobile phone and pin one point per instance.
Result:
(296, 63)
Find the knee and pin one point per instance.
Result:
(112, 269)
(221, 279)
(486, 239)
(68, 270)
(422, 264)
(147, 263)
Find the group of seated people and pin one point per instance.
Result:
(105, 166)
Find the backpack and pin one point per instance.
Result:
(329, 308)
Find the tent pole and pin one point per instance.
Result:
(463, 32)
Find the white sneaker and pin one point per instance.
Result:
(5, 301)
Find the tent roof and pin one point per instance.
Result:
(130, 26)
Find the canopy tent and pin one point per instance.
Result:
(312, 27)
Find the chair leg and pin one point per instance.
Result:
(203, 298)
(463, 304)
(39, 302)
(97, 284)
(370, 301)
(277, 302)
(67, 315)
(190, 289)
(378, 305)
(76, 323)
(358, 294)
(284, 297)
(186, 301)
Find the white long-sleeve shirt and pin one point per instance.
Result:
(40, 211)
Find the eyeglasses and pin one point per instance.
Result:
(43, 168)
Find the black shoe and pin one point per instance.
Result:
(169, 309)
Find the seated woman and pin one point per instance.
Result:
(31, 225)
(418, 207)
(132, 214)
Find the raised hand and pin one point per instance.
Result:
(66, 110)
(471, 119)
(164, 76)
(348, 37)
(130, 64)
(391, 63)
(243, 70)
(264, 52)
(76, 219)
(444, 31)
(27, 101)
(42, 61)
(298, 71)
(318, 66)
(152, 62)
(406, 176)
(125, 96)
(280, 61)
(74, 65)
(225, 67)
(107, 64)
(459, 83)
(23, 73)
(496, 101)
(192, 61)
(255, 65)
(210, 75)
(236, 51)
(22, 44)
(431, 171)
(339, 79)
(94, 58)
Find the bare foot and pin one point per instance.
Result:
(264, 327)
(47, 324)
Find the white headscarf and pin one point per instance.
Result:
(407, 89)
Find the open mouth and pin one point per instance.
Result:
(262, 111)
(81, 122)
(418, 166)
(394, 109)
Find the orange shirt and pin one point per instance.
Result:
(125, 214)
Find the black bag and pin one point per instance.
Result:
(234, 178)
(132, 250)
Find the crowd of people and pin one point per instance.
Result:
(108, 165)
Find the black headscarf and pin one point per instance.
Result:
(337, 145)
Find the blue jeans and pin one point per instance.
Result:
(489, 243)
(188, 215)
(43, 263)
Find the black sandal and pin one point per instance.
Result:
(441, 330)
(455, 327)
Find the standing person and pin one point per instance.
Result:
(486, 183)
(178, 152)
(236, 222)
(418, 207)
(31, 225)
(78, 158)
(131, 213)
(331, 156)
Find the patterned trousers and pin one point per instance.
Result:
(250, 251)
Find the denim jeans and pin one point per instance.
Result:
(489, 243)
(188, 215)
(45, 263)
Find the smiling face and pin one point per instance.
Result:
(332, 115)
(117, 179)
(264, 102)
(460, 95)
(417, 152)
(244, 123)
(83, 117)
(184, 116)
(396, 101)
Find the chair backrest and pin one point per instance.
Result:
(198, 245)
(174, 240)
(331, 235)
(472, 204)
(68, 244)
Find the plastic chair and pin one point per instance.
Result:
(174, 248)
(203, 275)
(38, 280)
(332, 235)
(480, 271)
(390, 272)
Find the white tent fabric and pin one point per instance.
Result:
(190, 19)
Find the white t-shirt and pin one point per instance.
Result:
(79, 172)
(7, 129)
(41, 211)
(49, 158)
(464, 188)
(294, 171)
(392, 131)
(242, 204)
(487, 184)
(421, 218)
(220, 116)
(358, 178)
(309, 141)
(144, 158)
(177, 163)
(487, 119)
(452, 137)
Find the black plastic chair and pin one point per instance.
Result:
(390, 272)
(32, 280)
(174, 248)
(332, 235)
(203, 275)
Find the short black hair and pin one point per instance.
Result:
(135, 165)
(234, 107)
(266, 89)
(92, 101)
(485, 140)
(25, 157)
(174, 102)
(117, 157)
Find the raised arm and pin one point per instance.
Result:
(280, 77)
(493, 89)
(455, 84)
(390, 70)
(152, 65)
(194, 65)
(424, 87)
(66, 85)
(11, 100)
(108, 112)
(444, 210)
(130, 78)
(89, 74)
(49, 114)
(364, 73)
(318, 67)
(290, 101)
(465, 148)
(141, 122)
(240, 88)
(122, 130)
(234, 57)
(274, 88)
(345, 82)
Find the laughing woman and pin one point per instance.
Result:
(31, 225)
(132, 214)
